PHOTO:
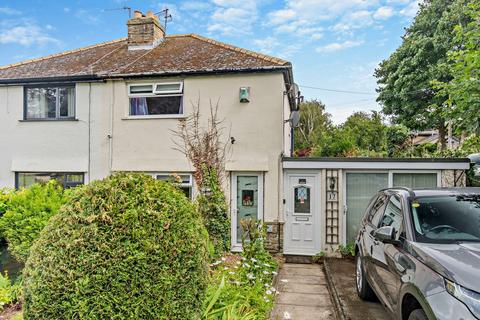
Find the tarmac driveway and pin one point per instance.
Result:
(341, 273)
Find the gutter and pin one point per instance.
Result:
(62, 79)
(103, 77)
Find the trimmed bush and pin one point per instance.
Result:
(126, 247)
(27, 213)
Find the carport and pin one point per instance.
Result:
(325, 198)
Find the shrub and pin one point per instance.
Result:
(241, 288)
(126, 247)
(27, 213)
(347, 251)
(9, 292)
(214, 209)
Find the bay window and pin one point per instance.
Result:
(52, 102)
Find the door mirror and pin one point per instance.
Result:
(385, 234)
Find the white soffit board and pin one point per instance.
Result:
(376, 165)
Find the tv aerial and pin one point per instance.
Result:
(125, 8)
(167, 17)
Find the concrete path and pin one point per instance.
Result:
(303, 293)
(342, 275)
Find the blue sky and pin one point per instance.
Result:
(333, 44)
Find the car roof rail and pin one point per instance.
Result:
(409, 190)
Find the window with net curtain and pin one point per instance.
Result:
(50, 102)
(156, 99)
(415, 180)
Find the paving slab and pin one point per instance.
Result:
(303, 294)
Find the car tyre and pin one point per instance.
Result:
(417, 314)
(364, 291)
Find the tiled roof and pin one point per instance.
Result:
(176, 54)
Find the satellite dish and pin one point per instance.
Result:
(295, 118)
(295, 90)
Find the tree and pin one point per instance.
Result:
(405, 78)
(313, 126)
(362, 134)
(463, 89)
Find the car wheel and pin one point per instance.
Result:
(417, 314)
(364, 291)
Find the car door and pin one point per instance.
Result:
(369, 226)
(386, 257)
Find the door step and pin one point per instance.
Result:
(289, 258)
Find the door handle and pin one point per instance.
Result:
(399, 267)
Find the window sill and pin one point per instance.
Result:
(45, 120)
(167, 116)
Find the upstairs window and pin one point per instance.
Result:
(158, 99)
(49, 102)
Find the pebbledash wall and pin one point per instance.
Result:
(104, 139)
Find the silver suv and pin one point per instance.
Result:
(418, 251)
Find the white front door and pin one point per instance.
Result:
(302, 216)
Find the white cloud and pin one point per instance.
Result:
(383, 13)
(87, 17)
(9, 11)
(410, 10)
(26, 34)
(336, 46)
(233, 17)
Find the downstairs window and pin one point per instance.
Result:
(67, 180)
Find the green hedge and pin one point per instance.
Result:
(27, 213)
(127, 247)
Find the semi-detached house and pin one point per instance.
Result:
(80, 115)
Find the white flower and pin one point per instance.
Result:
(225, 268)
(274, 273)
(273, 289)
(268, 292)
(266, 265)
(236, 282)
(224, 259)
(231, 272)
(253, 260)
(265, 272)
(267, 285)
(287, 316)
(250, 276)
(266, 299)
(246, 265)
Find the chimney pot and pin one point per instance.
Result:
(144, 31)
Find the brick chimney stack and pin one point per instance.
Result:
(144, 31)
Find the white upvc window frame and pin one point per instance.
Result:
(171, 93)
(390, 185)
(189, 184)
(392, 172)
(237, 247)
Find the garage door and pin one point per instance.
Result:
(361, 187)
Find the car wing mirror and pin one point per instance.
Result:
(385, 234)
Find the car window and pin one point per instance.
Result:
(376, 210)
(393, 215)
